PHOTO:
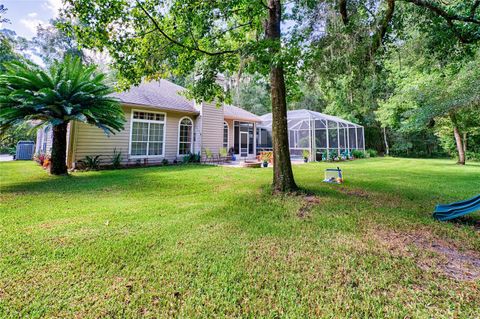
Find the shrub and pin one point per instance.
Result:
(90, 162)
(324, 155)
(223, 152)
(266, 156)
(117, 159)
(358, 154)
(46, 163)
(39, 158)
(306, 153)
(7, 150)
(472, 156)
(372, 153)
(164, 161)
(191, 158)
(333, 155)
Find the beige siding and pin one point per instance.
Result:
(90, 140)
(44, 138)
(197, 135)
(212, 127)
(171, 139)
(49, 138)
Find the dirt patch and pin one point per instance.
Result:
(308, 202)
(468, 221)
(354, 192)
(433, 254)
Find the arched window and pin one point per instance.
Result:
(185, 136)
(225, 135)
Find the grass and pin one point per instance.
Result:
(197, 241)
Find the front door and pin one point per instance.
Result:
(244, 144)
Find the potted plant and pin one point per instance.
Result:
(265, 158)
(306, 155)
(333, 155)
(324, 156)
(231, 154)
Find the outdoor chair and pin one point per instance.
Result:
(223, 155)
(208, 155)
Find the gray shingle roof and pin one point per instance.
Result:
(236, 113)
(160, 94)
(165, 95)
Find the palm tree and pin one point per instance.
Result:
(66, 91)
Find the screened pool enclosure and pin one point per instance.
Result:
(323, 136)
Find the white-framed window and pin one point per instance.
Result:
(147, 134)
(225, 135)
(185, 136)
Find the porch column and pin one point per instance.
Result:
(363, 136)
(328, 140)
(338, 139)
(356, 137)
(348, 139)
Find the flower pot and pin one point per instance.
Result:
(265, 164)
(305, 160)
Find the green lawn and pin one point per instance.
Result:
(197, 241)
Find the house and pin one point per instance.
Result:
(161, 124)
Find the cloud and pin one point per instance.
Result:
(32, 14)
(31, 24)
(54, 6)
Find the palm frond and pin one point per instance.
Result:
(67, 91)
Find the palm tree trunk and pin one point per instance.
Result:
(283, 180)
(458, 140)
(59, 150)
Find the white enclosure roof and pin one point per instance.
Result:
(306, 115)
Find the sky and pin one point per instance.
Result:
(26, 15)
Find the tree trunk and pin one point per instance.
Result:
(59, 150)
(283, 180)
(458, 140)
(387, 148)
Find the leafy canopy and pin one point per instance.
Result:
(189, 38)
(67, 91)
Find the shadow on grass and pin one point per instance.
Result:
(472, 220)
(416, 186)
(96, 180)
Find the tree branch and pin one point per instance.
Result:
(169, 38)
(382, 28)
(342, 6)
(146, 32)
(451, 17)
(474, 9)
(447, 15)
